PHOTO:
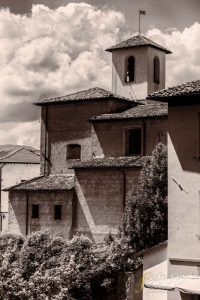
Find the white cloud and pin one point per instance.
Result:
(54, 52)
(51, 52)
(184, 64)
(26, 133)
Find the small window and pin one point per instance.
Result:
(156, 70)
(130, 69)
(35, 211)
(57, 212)
(134, 141)
(73, 151)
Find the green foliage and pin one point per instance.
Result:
(46, 267)
(145, 217)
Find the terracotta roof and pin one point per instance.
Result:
(138, 41)
(112, 162)
(140, 111)
(17, 154)
(90, 94)
(191, 88)
(46, 183)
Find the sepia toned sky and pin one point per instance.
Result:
(55, 47)
(162, 14)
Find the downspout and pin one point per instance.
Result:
(144, 138)
(45, 145)
(1, 216)
(124, 188)
(27, 213)
(45, 142)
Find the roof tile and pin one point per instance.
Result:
(187, 89)
(90, 94)
(112, 162)
(140, 111)
(46, 183)
(138, 41)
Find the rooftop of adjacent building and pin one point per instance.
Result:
(186, 90)
(91, 94)
(112, 162)
(137, 112)
(63, 182)
(138, 41)
(58, 182)
(19, 154)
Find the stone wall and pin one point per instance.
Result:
(17, 213)
(68, 124)
(95, 208)
(108, 137)
(46, 200)
(101, 200)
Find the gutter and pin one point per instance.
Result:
(1, 215)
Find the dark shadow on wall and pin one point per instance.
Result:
(184, 132)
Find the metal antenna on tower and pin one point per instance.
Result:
(141, 12)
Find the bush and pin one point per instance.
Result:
(47, 267)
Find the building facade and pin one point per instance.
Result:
(17, 164)
(180, 257)
(93, 146)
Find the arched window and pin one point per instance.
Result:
(130, 69)
(73, 151)
(156, 68)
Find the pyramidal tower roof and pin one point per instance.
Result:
(138, 41)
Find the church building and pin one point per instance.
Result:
(93, 146)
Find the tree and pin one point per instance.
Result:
(145, 217)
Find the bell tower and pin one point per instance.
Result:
(138, 67)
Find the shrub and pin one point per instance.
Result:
(47, 267)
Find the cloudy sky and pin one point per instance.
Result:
(50, 47)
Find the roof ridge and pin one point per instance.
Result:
(32, 151)
(75, 93)
(84, 95)
(54, 182)
(24, 182)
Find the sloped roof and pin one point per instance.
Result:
(140, 111)
(112, 162)
(86, 95)
(191, 88)
(46, 183)
(138, 41)
(19, 154)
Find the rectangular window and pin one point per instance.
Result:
(134, 141)
(57, 212)
(35, 211)
(73, 151)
